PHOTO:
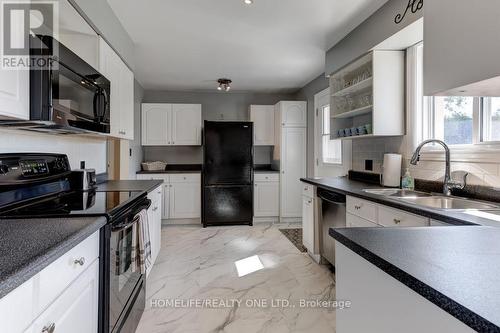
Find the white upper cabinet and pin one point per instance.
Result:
(186, 124)
(77, 35)
(14, 94)
(292, 113)
(122, 91)
(155, 131)
(262, 117)
(14, 88)
(171, 124)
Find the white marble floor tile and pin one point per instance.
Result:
(197, 265)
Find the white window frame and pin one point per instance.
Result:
(322, 169)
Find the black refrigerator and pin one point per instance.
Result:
(227, 173)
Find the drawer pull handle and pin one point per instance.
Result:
(49, 328)
(155, 209)
(397, 221)
(357, 207)
(80, 261)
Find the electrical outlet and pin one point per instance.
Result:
(369, 165)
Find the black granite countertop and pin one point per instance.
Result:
(355, 188)
(176, 168)
(264, 168)
(456, 268)
(27, 246)
(129, 185)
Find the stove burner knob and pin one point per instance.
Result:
(4, 169)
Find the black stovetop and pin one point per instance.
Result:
(74, 203)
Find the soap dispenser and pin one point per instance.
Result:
(408, 183)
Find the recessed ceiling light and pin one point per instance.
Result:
(248, 2)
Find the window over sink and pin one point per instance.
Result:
(459, 121)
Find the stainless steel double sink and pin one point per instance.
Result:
(433, 200)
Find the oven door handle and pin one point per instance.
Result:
(137, 210)
(123, 226)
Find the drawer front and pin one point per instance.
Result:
(308, 190)
(389, 217)
(362, 208)
(266, 177)
(185, 178)
(59, 275)
(159, 176)
(353, 221)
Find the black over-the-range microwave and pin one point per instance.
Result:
(66, 93)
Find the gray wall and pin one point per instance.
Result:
(461, 44)
(135, 145)
(215, 106)
(103, 20)
(370, 33)
(307, 94)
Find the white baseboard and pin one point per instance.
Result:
(290, 220)
(196, 221)
(274, 219)
(315, 257)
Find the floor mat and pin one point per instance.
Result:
(294, 236)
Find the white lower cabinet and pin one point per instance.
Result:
(364, 213)
(76, 310)
(181, 195)
(266, 195)
(308, 223)
(154, 222)
(185, 200)
(390, 217)
(353, 221)
(64, 295)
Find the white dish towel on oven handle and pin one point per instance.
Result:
(144, 243)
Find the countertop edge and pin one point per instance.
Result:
(36, 265)
(447, 304)
(401, 206)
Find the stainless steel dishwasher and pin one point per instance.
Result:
(333, 215)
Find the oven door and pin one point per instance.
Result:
(123, 277)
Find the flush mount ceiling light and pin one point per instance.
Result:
(248, 2)
(224, 84)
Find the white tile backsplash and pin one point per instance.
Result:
(480, 173)
(92, 150)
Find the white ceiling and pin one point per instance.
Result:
(270, 46)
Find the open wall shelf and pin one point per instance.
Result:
(377, 79)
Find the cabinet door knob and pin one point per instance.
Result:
(155, 209)
(397, 221)
(50, 328)
(80, 261)
(357, 207)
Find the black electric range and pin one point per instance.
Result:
(40, 186)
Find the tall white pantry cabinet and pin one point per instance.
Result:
(290, 153)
